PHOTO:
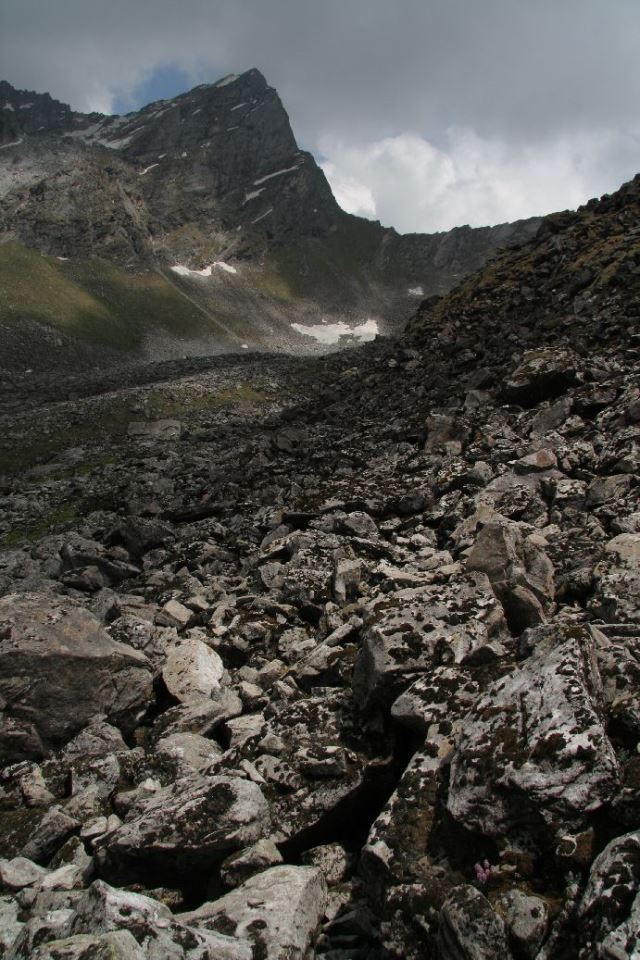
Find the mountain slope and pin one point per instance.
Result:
(378, 611)
(215, 175)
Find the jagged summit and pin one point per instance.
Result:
(212, 176)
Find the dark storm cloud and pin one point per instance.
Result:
(418, 106)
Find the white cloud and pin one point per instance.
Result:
(428, 113)
(352, 195)
(409, 183)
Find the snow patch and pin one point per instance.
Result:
(226, 80)
(278, 173)
(205, 272)
(238, 105)
(25, 106)
(8, 106)
(416, 292)
(245, 346)
(263, 215)
(252, 194)
(62, 258)
(229, 129)
(14, 143)
(330, 333)
(146, 169)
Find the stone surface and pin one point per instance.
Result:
(192, 671)
(534, 753)
(279, 910)
(470, 928)
(58, 670)
(186, 826)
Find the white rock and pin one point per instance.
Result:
(20, 872)
(282, 906)
(193, 670)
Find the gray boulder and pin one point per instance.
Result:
(609, 912)
(279, 910)
(470, 929)
(59, 669)
(533, 749)
(187, 825)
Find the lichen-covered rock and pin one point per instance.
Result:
(519, 570)
(102, 909)
(193, 670)
(609, 912)
(310, 756)
(410, 631)
(120, 945)
(533, 749)
(187, 825)
(469, 928)
(279, 910)
(542, 375)
(526, 918)
(10, 925)
(254, 859)
(58, 670)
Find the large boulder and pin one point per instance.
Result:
(542, 375)
(519, 570)
(193, 670)
(469, 928)
(609, 912)
(186, 826)
(410, 631)
(102, 909)
(58, 670)
(279, 910)
(120, 945)
(533, 756)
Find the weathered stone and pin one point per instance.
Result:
(331, 859)
(542, 375)
(533, 750)
(279, 910)
(20, 872)
(193, 670)
(254, 859)
(518, 568)
(190, 750)
(408, 632)
(609, 912)
(155, 430)
(59, 669)
(120, 945)
(526, 918)
(470, 928)
(10, 926)
(186, 826)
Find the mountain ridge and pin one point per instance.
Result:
(211, 175)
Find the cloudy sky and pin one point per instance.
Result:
(424, 114)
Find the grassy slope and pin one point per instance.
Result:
(337, 267)
(93, 300)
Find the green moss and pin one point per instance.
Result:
(110, 421)
(62, 517)
(94, 300)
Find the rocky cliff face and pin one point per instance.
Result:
(336, 657)
(215, 176)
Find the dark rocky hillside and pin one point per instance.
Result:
(336, 657)
(212, 183)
